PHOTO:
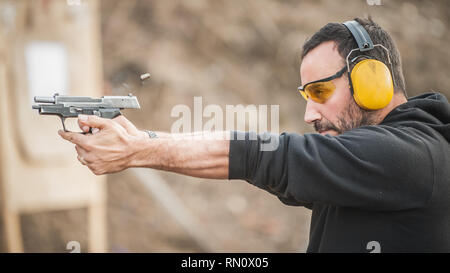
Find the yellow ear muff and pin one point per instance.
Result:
(372, 84)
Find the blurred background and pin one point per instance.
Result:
(228, 52)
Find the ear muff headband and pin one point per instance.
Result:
(371, 81)
(360, 34)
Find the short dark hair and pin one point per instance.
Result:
(345, 42)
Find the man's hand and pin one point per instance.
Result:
(116, 144)
(111, 145)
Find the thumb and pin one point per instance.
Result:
(125, 123)
(92, 121)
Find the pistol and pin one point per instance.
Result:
(71, 106)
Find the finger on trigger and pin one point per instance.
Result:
(82, 122)
(75, 138)
(83, 127)
(94, 121)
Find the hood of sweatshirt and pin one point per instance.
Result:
(429, 109)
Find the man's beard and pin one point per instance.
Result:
(350, 118)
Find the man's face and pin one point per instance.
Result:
(339, 113)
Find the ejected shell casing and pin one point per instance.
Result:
(145, 76)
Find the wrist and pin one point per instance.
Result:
(146, 152)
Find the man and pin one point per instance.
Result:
(374, 179)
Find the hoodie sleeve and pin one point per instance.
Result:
(372, 167)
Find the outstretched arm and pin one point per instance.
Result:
(118, 145)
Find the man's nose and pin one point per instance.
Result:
(311, 113)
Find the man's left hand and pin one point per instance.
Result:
(111, 145)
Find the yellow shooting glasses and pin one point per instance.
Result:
(320, 90)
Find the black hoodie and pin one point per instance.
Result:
(384, 187)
